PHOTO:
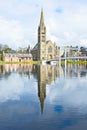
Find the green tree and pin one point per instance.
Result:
(1, 57)
(7, 50)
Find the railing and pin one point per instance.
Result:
(67, 58)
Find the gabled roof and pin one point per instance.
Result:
(35, 47)
(24, 55)
(49, 41)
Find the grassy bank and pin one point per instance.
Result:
(38, 62)
(77, 62)
(32, 62)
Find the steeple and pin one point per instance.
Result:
(41, 38)
(42, 18)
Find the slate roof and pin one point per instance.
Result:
(35, 47)
(17, 55)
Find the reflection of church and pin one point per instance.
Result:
(45, 75)
(43, 49)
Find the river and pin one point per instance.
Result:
(43, 97)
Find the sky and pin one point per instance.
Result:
(65, 20)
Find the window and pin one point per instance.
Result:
(49, 49)
(43, 58)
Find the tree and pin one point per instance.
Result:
(1, 57)
(7, 50)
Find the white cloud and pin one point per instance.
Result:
(65, 21)
(10, 32)
(70, 93)
(14, 88)
(13, 34)
(84, 42)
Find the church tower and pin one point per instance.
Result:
(42, 39)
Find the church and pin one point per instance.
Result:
(43, 50)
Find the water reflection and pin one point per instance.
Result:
(44, 75)
(7, 69)
(47, 73)
(62, 94)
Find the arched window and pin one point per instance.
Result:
(49, 49)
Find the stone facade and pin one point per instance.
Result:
(51, 50)
(43, 49)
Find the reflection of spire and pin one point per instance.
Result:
(42, 107)
(42, 104)
(41, 86)
(46, 74)
(41, 94)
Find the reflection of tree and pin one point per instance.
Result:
(1, 70)
(83, 74)
(6, 74)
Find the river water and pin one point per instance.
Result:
(43, 97)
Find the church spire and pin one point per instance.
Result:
(42, 18)
(41, 38)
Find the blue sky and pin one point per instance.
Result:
(66, 21)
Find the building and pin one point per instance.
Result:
(70, 51)
(43, 49)
(25, 56)
(8, 57)
(83, 51)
